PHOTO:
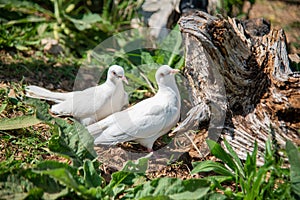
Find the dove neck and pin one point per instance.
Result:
(113, 82)
(171, 86)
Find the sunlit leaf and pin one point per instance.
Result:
(174, 188)
(18, 122)
(294, 159)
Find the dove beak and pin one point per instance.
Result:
(175, 71)
(124, 79)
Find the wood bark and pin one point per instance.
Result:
(241, 84)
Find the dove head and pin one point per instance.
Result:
(116, 74)
(165, 76)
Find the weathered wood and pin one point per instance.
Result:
(240, 81)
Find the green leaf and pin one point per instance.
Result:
(86, 22)
(91, 176)
(155, 198)
(294, 159)
(256, 184)
(218, 178)
(76, 138)
(250, 164)
(69, 177)
(58, 145)
(41, 109)
(18, 122)
(198, 193)
(30, 19)
(173, 188)
(13, 185)
(119, 180)
(136, 167)
(51, 164)
(220, 153)
(26, 7)
(3, 106)
(236, 158)
(216, 196)
(63, 176)
(170, 48)
(208, 165)
(137, 80)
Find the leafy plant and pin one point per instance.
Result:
(25, 23)
(234, 8)
(268, 181)
(294, 159)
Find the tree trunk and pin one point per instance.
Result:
(241, 84)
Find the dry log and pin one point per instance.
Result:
(241, 84)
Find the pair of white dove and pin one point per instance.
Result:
(99, 108)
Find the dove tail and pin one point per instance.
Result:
(41, 93)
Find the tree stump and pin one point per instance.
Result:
(241, 84)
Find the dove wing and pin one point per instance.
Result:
(145, 119)
(86, 102)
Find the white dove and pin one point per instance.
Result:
(92, 104)
(147, 120)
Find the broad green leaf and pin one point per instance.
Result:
(91, 176)
(173, 188)
(63, 176)
(197, 194)
(136, 167)
(162, 197)
(58, 195)
(218, 178)
(68, 176)
(146, 58)
(75, 137)
(58, 145)
(294, 159)
(171, 47)
(72, 140)
(136, 79)
(51, 164)
(220, 153)
(120, 180)
(216, 196)
(13, 185)
(86, 22)
(42, 108)
(18, 122)
(208, 165)
(122, 177)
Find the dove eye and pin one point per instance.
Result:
(114, 73)
(162, 74)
